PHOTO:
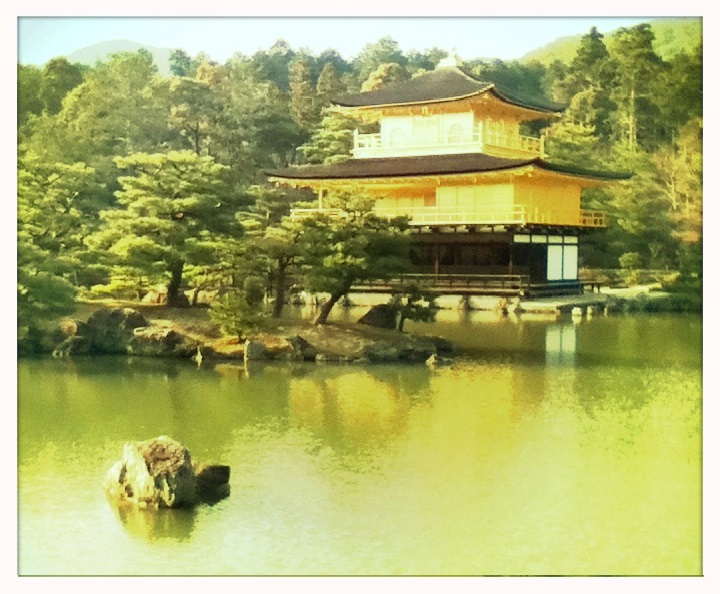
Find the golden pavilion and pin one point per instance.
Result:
(490, 214)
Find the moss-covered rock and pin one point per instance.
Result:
(159, 472)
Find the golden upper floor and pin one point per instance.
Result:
(446, 111)
(458, 189)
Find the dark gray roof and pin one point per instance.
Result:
(442, 84)
(425, 165)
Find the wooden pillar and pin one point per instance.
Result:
(437, 258)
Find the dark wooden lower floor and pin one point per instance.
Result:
(474, 284)
(509, 262)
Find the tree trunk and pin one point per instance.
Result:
(174, 298)
(632, 124)
(401, 322)
(326, 308)
(279, 290)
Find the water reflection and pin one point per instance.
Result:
(561, 344)
(156, 524)
(546, 447)
(351, 409)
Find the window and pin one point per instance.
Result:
(562, 262)
(456, 134)
(425, 130)
(397, 137)
(555, 262)
(570, 262)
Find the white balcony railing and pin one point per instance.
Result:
(481, 140)
(439, 216)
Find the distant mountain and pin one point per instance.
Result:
(101, 52)
(671, 37)
(563, 49)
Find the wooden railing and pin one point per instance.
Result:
(516, 142)
(298, 214)
(462, 283)
(374, 145)
(593, 218)
(435, 216)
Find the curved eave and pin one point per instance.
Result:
(413, 103)
(586, 174)
(430, 166)
(390, 180)
(398, 168)
(541, 109)
(491, 89)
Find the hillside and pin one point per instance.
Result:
(671, 37)
(100, 51)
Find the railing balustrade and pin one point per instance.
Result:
(297, 214)
(503, 282)
(373, 145)
(433, 215)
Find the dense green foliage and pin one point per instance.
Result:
(336, 253)
(672, 37)
(171, 212)
(128, 178)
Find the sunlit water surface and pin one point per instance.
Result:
(547, 447)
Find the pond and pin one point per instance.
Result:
(547, 447)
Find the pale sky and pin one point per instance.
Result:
(41, 38)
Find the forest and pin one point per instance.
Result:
(129, 180)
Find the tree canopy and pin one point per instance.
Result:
(171, 214)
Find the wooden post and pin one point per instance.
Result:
(510, 262)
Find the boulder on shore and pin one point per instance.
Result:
(159, 472)
(157, 341)
(106, 332)
(381, 316)
(124, 331)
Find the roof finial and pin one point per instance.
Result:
(451, 61)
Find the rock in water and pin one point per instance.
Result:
(154, 473)
(213, 482)
(254, 349)
(380, 316)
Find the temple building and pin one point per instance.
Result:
(489, 213)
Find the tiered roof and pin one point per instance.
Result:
(433, 165)
(445, 83)
(448, 82)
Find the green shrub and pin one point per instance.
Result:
(630, 261)
(236, 315)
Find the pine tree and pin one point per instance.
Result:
(384, 75)
(302, 95)
(332, 141)
(588, 85)
(173, 212)
(637, 66)
(329, 87)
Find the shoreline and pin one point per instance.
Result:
(189, 332)
(127, 328)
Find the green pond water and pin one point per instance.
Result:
(548, 447)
